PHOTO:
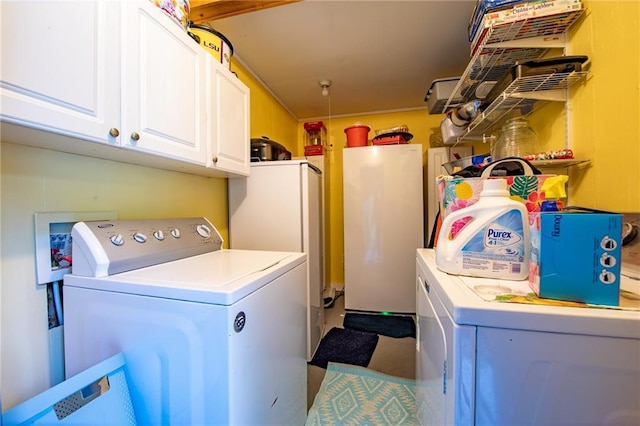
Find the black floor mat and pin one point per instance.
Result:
(345, 346)
(386, 325)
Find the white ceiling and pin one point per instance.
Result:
(379, 55)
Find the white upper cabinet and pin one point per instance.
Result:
(163, 86)
(61, 67)
(230, 142)
(121, 81)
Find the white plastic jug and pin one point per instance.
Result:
(487, 239)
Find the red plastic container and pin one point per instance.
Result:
(313, 150)
(357, 135)
(388, 140)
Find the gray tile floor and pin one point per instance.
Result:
(396, 357)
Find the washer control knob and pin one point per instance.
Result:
(159, 235)
(203, 231)
(117, 240)
(175, 233)
(140, 237)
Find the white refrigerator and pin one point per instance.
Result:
(278, 207)
(383, 226)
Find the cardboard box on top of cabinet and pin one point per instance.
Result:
(575, 255)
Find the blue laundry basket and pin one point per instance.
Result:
(97, 396)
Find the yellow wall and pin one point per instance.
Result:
(268, 117)
(605, 123)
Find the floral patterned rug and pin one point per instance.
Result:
(352, 395)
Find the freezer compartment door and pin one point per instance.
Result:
(265, 209)
(383, 226)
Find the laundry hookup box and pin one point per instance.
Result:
(575, 255)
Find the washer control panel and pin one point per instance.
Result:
(104, 248)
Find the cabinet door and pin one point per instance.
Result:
(164, 98)
(61, 67)
(229, 144)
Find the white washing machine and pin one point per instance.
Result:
(210, 336)
(484, 362)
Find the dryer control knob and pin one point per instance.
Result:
(117, 240)
(159, 235)
(140, 237)
(203, 231)
(175, 233)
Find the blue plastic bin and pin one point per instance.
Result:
(97, 396)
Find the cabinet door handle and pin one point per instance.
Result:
(427, 286)
(214, 159)
(114, 132)
(135, 136)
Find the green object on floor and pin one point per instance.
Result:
(354, 396)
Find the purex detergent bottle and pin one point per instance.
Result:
(487, 239)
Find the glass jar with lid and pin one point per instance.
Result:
(517, 139)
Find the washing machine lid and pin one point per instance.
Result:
(471, 301)
(222, 277)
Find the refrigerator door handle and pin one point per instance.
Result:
(314, 168)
